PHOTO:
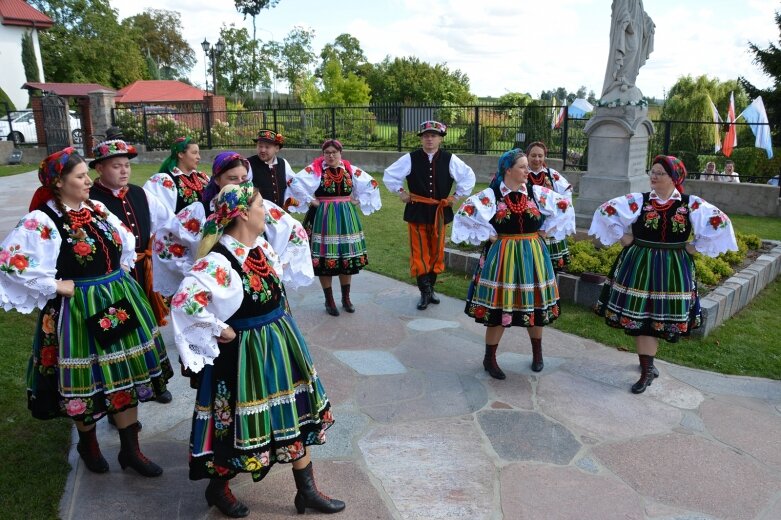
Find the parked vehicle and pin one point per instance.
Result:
(22, 129)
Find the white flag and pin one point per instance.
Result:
(716, 126)
(756, 117)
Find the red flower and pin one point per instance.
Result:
(695, 205)
(357, 172)
(374, 183)
(177, 250)
(255, 283)
(120, 400)
(46, 233)
(275, 213)
(679, 218)
(239, 251)
(105, 323)
(651, 215)
(48, 356)
(122, 315)
(501, 214)
(192, 225)
(221, 275)
(330, 263)
(20, 262)
(480, 312)
(187, 192)
(633, 206)
(82, 249)
(116, 238)
(610, 210)
(715, 221)
(562, 205)
(485, 201)
(202, 298)
(556, 176)
(168, 183)
(469, 210)
(200, 265)
(555, 310)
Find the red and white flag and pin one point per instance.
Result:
(731, 139)
(560, 118)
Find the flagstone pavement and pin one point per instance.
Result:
(423, 433)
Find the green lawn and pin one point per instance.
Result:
(13, 169)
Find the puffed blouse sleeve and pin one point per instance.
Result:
(28, 265)
(159, 214)
(614, 218)
(366, 191)
(289, 241)
(560, 184)
(712, 228)
(396, 173)
(128, 257)
(558, 211)
(175, 246)
(302, 188)
(464, 176)
(162, 186)
(471, 223)
(210, 294)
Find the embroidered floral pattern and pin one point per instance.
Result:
(33, 224)
(718, 220)
(679, 219)
(221, 411)
(467, 210)
(220, 274)
(13, 261)
(607, 209)
(112, 319)
(630, 199)
(166, 247)
(651, 219)
(502, 212)
(192, 299)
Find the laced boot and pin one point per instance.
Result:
(330, 304)
(489, 362)
(308, 495)
(130, 454)
(219, 494)
(537, 362)
(432, 278)
(346, 303)
(89, 449)
(646, 375)
(424, 284)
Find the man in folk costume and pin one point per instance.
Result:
(141, 212)
(269, 172)
(430, 174)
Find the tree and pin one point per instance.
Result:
(343, 89)
(769, 60)
(237, 73)
(296, 57)
(87, 44)
(346, 49)
(158, 33)
(253, 8)
(28, 58)
(409, 80)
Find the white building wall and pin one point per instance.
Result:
(12, 77)
(37, 48)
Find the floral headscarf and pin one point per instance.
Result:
(232, 200)
(674, 168)
(179, 146)
(506, 161)
(49, 172)
(219, 166)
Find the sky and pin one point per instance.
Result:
(508, 45)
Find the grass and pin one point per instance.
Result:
(13, 169)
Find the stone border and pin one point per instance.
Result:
(717, 306)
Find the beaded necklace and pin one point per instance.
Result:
(79, 218)
(516, 207)
(258, 266)
(192, 181)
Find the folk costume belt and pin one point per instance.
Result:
(255, 322)
(439, 218)
(659, 245)
(518, 236)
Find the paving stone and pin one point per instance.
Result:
(429, 324)
(758, 434)
(338, 378)
(692, 422)
(692, 473)
(349, 425)
(348, 331)
(371, 362)
(498, 405)
(442, 351)
(534, 492)
(516, 390)
(528, 436)
(710, 382)
(588, 464)
(414, 463)
(521, 364)
(601, 410)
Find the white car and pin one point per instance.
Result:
(22, 128)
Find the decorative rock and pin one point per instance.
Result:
(528, 436)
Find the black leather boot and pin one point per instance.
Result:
(489, 362)
(424, 284)
(537, 362)
(89, 449)
(654, 370)
(432, 278)
(165, 397)
(130, 454)
(346, 303)
(646, 375)
(309, 497)
(330, 304)
(219, 494)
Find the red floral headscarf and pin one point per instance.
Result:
(49, 172)
(674, 168)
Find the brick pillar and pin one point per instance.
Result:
(36, 102)
(101, 103)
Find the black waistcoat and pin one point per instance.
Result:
(428, 179)
(251, 307)
(526, 221)
(271, 182)
(668, 222)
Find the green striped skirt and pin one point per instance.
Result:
(651, 291)
(514, 284)
(337, 241)
(559, 252)
(261, 403)
(70, 374)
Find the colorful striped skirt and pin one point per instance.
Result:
(70, 374)
(559, 252)
(514, 284)
(337, 241)
(261, 402)
(652, 291)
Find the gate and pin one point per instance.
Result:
(55, 123)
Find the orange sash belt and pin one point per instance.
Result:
(159, 307)
(439, 218)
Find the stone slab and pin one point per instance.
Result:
(430, 324)
(527, 436)
(371, 362)
(729, 296)
(340, 437)
(587, 293)
(691, 472)
(567, 286)
(710, 314)
(712, 383)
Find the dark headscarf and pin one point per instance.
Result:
(506, 161)
(674, 168)
(220, 164)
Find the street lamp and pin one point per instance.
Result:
(213, 54)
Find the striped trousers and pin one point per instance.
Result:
(427, 250)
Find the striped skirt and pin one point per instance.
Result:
(559, 252)
(70, 375)
(337, 241)
(259, 404)
(514, 284)
(651, 291)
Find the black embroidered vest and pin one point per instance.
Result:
(428, 179)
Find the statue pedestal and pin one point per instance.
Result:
(617, 156)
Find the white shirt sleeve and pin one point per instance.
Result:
(558, 211)
(366, 191)
(463, 175)
(290, 242)
(302, 188)
(471, 223)
(396, 173)
(162, 186)
(614, 218)
(712, 229)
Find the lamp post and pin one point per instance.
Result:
(213, 54)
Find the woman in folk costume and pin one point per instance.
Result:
(259, 400)
(332, 188)
(514, 284)
(651, 291)
(179, 182)
(97, 349)
(176, 252)
(542, 175)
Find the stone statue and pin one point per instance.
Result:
(631, 42)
